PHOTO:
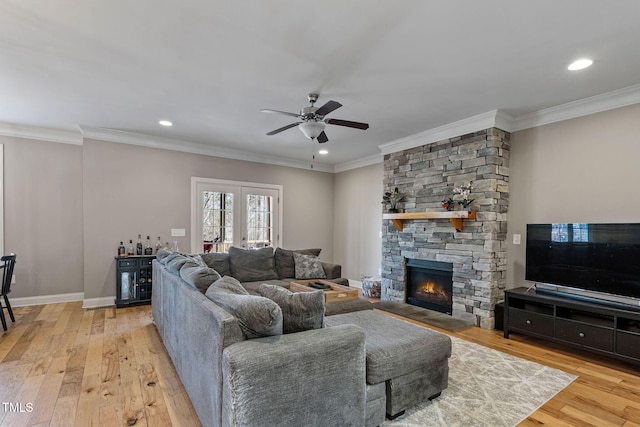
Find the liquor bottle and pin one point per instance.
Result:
(139, 245)
(158, 245)
(130, 250)
(121, 250)
(148, 250)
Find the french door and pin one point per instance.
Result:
(229, 213)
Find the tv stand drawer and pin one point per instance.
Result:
(531, 322)
(628, 344)
(584, 334)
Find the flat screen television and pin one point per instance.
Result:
(600, 259)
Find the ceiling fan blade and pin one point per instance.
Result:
(328, 107)
(292, 125)
(322, 138)
(266, 110)
(347, 123)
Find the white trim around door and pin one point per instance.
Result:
(239, 189)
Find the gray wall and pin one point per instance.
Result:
(578, 170)
(68, 206)
(131, 189)
(358, 221)
(43, 215)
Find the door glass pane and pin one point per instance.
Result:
(259, 221)
(127, 285)
(217, 221)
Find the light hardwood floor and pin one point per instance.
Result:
(61, 365)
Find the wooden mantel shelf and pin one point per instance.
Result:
(455, 217)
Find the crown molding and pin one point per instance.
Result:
(360, 163)
(40, 133)
(131, 138)
(495, 118)
(583, 107)
(504, 121)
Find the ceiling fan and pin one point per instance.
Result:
(312, 119)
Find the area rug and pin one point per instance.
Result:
(486, 388)
(422, 315)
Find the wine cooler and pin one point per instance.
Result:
(134, 281)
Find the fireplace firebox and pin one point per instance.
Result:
(430, 285)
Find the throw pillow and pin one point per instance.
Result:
(252, 265)
(308, 267)
(257, 316)
(285, 264)
(198, 276)
(301, 311)
(218, 261)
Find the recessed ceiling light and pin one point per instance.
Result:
(165, 123)
(323, 152)
(580, 64)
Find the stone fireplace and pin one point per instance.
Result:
(427, 175)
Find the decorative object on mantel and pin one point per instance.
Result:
(392, 198)
(448, 204)
(464, 191)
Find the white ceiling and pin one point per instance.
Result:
(403, 66)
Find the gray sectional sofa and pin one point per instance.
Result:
(351, 372)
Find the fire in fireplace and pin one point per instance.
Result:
(430, 284)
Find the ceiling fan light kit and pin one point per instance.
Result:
(312, 122)
(311, 129)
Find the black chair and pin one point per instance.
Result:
(8, 262)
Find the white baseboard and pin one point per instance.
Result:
(59, 298)
(46, 299)
(355, 283)
(99, 302)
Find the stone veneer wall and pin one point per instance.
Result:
(427, 175)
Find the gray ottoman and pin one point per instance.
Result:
(411, 360)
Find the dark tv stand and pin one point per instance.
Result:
(591, 326)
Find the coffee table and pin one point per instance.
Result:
(335, 293)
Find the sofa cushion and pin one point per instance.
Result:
(301, 311)
(162, 254)
(257, 316)
(252, 287)
(198, 276)
(168, 257)
(176, 263)
(218, 261)
(285, 264)
(250, 265)
(308, 267)
(395, 347)
(198, 260)
(339, 307)
(230, 284)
